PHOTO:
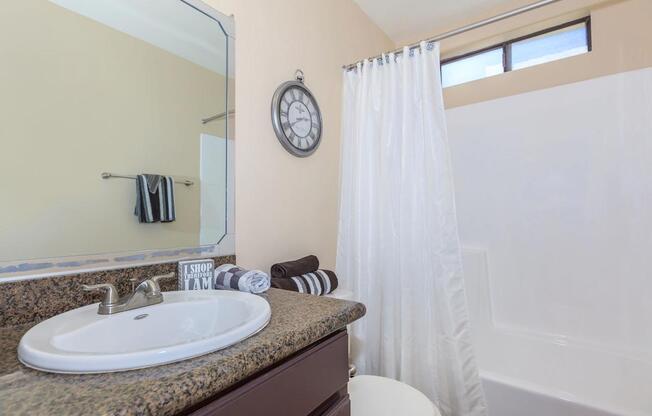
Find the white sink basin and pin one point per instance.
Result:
(187, 324)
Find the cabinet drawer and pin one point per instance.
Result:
(341, 408)
(295, 387)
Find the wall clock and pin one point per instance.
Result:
(296, 117)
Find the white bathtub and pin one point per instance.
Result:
(532, 373)
(512, 398)
(528, 375)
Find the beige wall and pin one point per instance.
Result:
(78, 98)
(622, 39)
(287, 206)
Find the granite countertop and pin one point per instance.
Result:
(297, 321)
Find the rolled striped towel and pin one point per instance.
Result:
(319, 282)
(230, 276)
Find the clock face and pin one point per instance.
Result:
(300, 120)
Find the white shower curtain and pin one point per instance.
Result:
(398, 247)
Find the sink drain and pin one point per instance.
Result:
(143, 316)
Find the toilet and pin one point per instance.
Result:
(382, 396)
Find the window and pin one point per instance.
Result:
(479, 65)
(569, 39)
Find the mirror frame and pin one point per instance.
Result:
(11, 271)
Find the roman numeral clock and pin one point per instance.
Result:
(296, 117)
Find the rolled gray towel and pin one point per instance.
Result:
(230, 276)
(298, 267)
(319, 282)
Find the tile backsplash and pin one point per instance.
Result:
(28, 301)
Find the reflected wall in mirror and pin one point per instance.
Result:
(116, 86)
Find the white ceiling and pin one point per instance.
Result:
(406, 20)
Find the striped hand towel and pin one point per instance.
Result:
(229, 276)
(319, 282)
(154, 198)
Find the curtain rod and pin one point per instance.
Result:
(466, 28)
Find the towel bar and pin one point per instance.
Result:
(217, 116)
(108, 175)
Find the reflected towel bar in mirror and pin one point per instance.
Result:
(108, 175)
(217, 116)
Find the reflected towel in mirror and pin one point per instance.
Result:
(154, 198)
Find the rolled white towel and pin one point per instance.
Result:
(230, 276)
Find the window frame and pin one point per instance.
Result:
(506, 46)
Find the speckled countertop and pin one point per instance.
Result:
(297, 321)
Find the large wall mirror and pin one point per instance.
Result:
(120, 88)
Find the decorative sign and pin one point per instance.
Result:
(196, 274)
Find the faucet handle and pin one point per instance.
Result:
(156, 279)
(111, 296)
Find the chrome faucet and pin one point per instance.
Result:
(147, 293)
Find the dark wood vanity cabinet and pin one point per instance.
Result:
(312, 382)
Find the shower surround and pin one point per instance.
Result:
(553, 198)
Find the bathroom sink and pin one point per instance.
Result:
(187, 324)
